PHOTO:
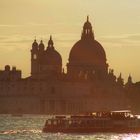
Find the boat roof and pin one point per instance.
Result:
(121, 111)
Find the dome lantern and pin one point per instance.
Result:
(87, 30)
(50, 43)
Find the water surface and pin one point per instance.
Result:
(29, 127)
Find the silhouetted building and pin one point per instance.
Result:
(133, 95)
(45, 63)
(87, 55)
(87, 86)
(10, 74)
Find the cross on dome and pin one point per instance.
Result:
(50, 42)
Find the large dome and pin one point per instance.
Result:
(87, 55)
(88, 52)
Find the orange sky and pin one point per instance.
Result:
(116, 25)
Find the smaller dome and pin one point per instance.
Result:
(13, 68)
(52, 57)
(7, 68)
(41, 45)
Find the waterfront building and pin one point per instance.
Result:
(89, 85)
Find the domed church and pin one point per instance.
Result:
(87, 85)
(87, 57)
(87, 54)
(45, 62)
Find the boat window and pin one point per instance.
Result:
(55, 122)
(79, 122)
(70, 122)
(49, 122)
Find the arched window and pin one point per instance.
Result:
(34, 56)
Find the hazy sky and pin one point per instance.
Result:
(116, 24)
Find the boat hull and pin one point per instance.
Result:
(92, 130)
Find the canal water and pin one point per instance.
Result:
(29, 127)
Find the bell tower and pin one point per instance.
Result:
(34, 59)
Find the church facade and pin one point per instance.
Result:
(89, 85)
